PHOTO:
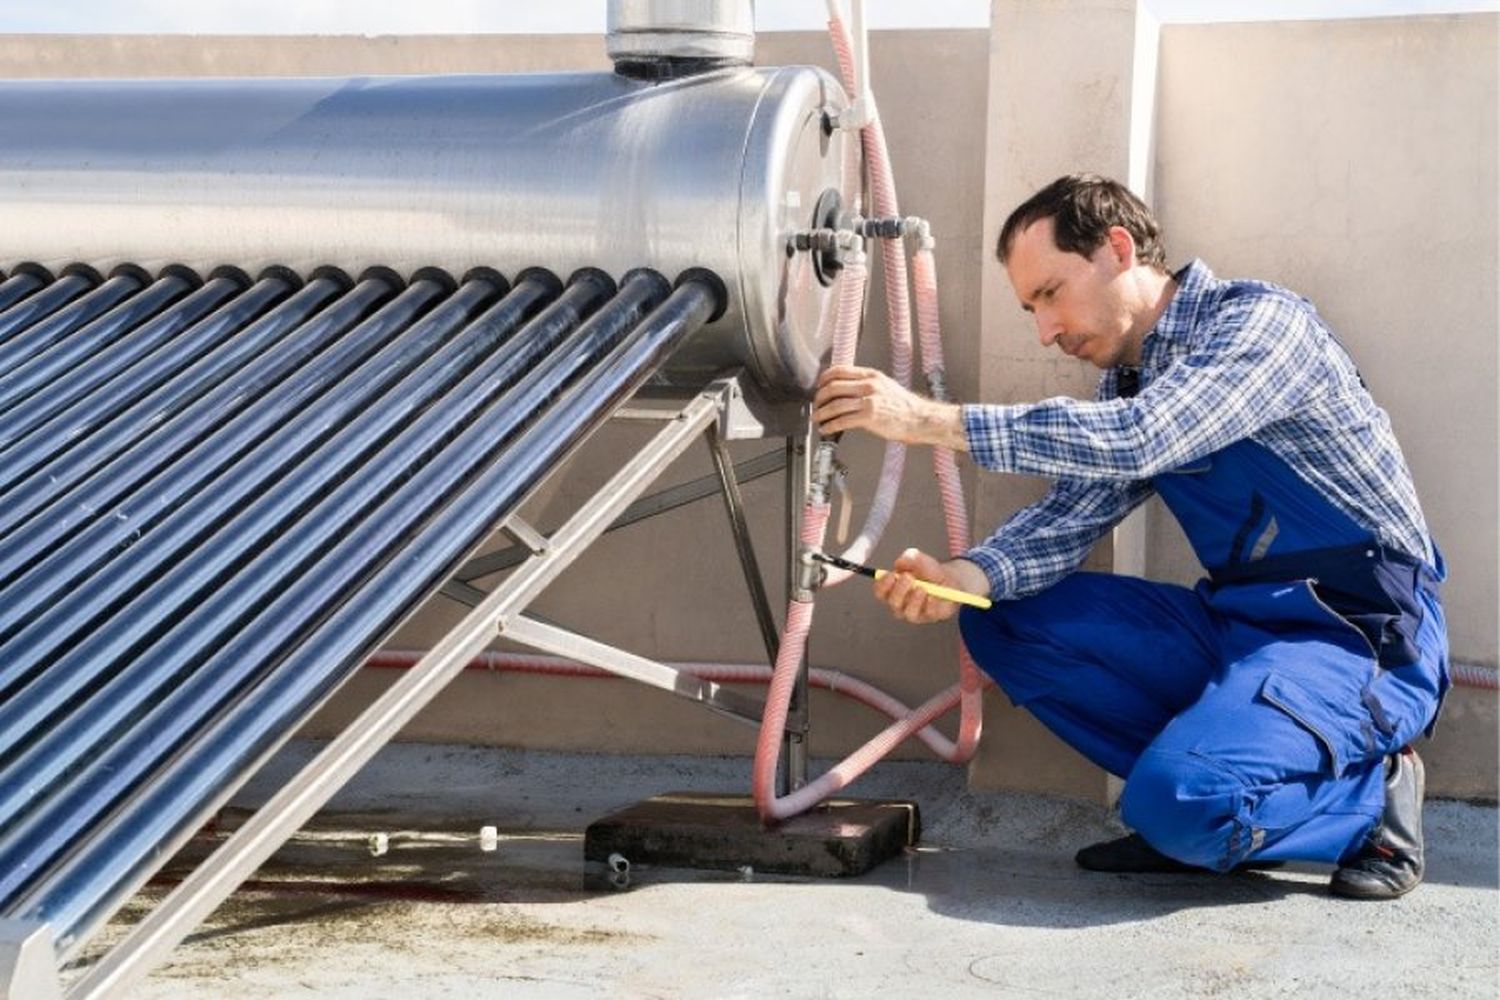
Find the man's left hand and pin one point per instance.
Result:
(850, 397)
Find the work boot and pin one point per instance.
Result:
(1390, 862)
(1133, 854)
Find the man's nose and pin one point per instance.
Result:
(1047, 329)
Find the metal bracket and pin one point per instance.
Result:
(648, 506)
(524, 534)
(561, 642)
(748, 414)
(28, 969)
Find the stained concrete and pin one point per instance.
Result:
(989, 905)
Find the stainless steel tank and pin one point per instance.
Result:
(562, 171)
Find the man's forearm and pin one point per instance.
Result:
(942, 425)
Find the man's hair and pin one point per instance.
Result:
(1082, 208)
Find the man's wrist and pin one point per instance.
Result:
(968, 575)
(943, 426)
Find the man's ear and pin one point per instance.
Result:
(1121, 247)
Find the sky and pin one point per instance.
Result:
(375, 17)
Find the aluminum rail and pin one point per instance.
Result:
(500, 487)
(582, 649)
(648, 506)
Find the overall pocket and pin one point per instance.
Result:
(1342, 725)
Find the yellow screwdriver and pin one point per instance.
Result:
(935, 589)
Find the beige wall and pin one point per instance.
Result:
(1355, 161)
(1377, 199)
(1033, 135)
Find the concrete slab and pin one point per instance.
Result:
(842, 837)
(989, 905)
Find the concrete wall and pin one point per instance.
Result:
(1355, 161)
(1377, 200)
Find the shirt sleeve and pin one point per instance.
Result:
(1042, 543)
(1252, 364)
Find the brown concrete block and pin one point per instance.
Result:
(695, 830)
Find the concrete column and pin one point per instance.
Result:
(1071, 88)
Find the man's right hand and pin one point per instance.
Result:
(910, 602)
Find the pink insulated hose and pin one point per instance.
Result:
(898, 316)
(832, 681)
(968, 693)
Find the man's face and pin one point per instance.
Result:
(1078, 302)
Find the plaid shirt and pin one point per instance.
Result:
(1227, 360)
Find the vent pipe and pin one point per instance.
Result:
(666, 39)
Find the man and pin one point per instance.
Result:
(1266, 714)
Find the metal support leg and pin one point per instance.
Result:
(28, 963)
(734, 503)
(792, 773)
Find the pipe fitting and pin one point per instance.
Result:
(825, 240)
(822, 473)
(913, 228)
(889, 228)
(919, 232)
(811, 576)
(815, 240)
(858, 115)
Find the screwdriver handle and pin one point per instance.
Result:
(946, 593)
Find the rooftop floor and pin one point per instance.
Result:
(990, 904)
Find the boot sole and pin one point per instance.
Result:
(1345, 890)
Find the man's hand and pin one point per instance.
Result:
(911, 603)
(851, 397)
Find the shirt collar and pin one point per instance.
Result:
(1193, 283)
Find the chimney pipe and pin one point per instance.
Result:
(666, 39)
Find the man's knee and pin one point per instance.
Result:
(999, 648)
(1187, 806)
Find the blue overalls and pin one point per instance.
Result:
(1249, 715)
